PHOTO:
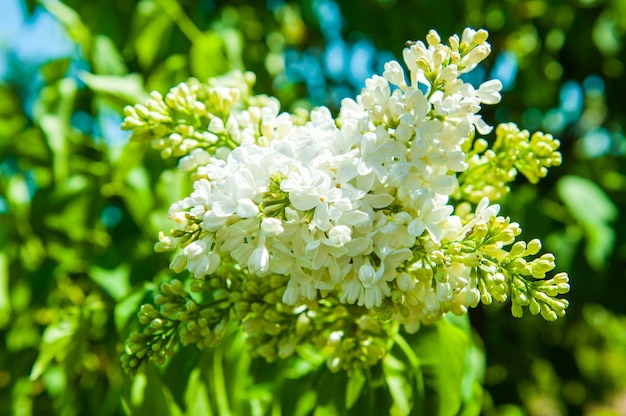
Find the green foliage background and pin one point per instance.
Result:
(80, 209)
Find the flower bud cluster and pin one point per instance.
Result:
(330, 231)
(177, 317)
(491, 170)
(349, 336)
(197, 120)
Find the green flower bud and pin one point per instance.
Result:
(534, 306)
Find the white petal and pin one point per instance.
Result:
(416, 227)
(246, 208)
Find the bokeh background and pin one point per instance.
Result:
(79, 210)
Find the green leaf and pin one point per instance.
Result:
(354, 387)
(197, 395)
(442, 348)
(53, 110)
(400, 387)
(17, 191)
(145, 394)
(586, 201)
(331, 394)
(55, 343)
(154, 27)
(475, 362)
(208, 57)
(55, 70)
(606, 33)
(600, 242)
(115, 281)
(138, 195)
(119, 90)
(592, 208)
(127, 307)
(106, 58)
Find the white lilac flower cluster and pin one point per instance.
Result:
(359, 208)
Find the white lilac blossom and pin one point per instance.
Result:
(343, 178)
(366, 209)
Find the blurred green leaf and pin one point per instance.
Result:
(593, 210)
(55, 343)
(586, 201)
(127, 307)
(53, 110)
(234, 44)
(55, 380)
(154, 25)
(208, 56)
(12, 119)
(354, 387)
(330, 392)
(55, 70)
(17, 191)
(138, 195)
(197, 395)
(605, 33)
(106, 58)
(115, 282)
(120, 90)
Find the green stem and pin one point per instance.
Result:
(184, 23)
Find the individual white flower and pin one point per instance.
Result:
(338, 236)
(430, 217)
(272, 226)
(394, 74)
(202, 260)
(489, 91)
(196, 158)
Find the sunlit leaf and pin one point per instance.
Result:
(138, 196)
(106, 58)
(17, 191)
(593, 210)
(586, 201)
(53, 111)
(197, 395)
(207, 56)
(606, 33)
(396, 377)
(442, 348)
(354, 387)
(115, 281)
(121, 90)
(55, 380)
(146, 395)
(154, 27)
(72, 187)
(55, 343)
(600, 243)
